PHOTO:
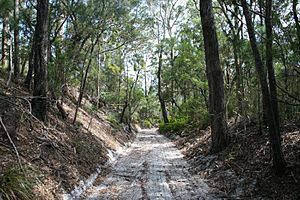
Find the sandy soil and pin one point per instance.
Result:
(151, 168)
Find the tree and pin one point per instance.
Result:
(5, 10)
(234, 37)
(28, 79)
(16, 59)
(296, 19)
(215, 78)
(275, 141)
(159, 87)
(4, 41)
(41, 42)
(269, 62)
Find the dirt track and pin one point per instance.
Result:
(152, 168)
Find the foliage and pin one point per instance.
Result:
(113, 119)
(15, 183)
(174, 125)
(198, 114)
(6, 6)
(147, 123)
(114, 41)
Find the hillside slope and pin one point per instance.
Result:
(242, 170)
(54, 156)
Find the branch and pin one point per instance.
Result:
(115, 48)
(196, 6)
(10, 140)
(29, 104)
(253, 11)
(298, 72)
(287, 93)
(56, 32)
(288, 103)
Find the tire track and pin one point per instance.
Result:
(152, 168)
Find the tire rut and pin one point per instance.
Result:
(152, 168)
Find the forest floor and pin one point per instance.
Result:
(56, 156)
(151, 168)
(243, 170)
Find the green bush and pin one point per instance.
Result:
(91, 108)
(147, 123)
(202, 121)
(174, 125)
(197, 112)
(113, 119)
(16, 184)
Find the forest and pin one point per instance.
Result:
(80, 80)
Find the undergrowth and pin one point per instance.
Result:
(175, 124)
(192, 113)
(16, 183)
(113, 119)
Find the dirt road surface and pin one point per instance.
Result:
(151, 168)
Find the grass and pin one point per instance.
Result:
(15, 183)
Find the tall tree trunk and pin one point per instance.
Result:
(98, 78)
(237, 63)
(295, 3)
(84, 78)
(4, 41)
(23, 65)
(160, 95)
(172, 61)
(28, 78)
(215, 78)
(269, 61)
(145, 75)
(39, 103)
(129, 92)
(275, 141)
(82, 86)
(126, 103)
(261, 19)
(16, 59)
(10, 63)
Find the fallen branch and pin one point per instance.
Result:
(29, 104)
(19, 97)
(10, 140)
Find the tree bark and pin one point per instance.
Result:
(215, 78)
(237, 63)
(84, 79)
(160, 95)
(296, 19)
(262, 45)
(129, 92)
(82, 86)
(4, 41)
(28, 78)
(39, 102)
(269, 62)
(275, 141)
(10, 63)
(16, 59)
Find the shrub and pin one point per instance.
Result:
(16, 184)
(91, 108)
(112, 118)
(202, 120)
(174, 125)
(197, 112)
(147, 123)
